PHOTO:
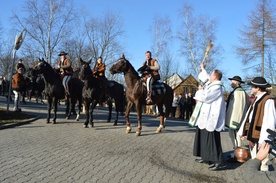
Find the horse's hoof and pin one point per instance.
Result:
(85, 126)
(67, 118)
(91, 126)
(158, 130)
(138, 133)
(128, 130)
(115, 124)
(48, 122)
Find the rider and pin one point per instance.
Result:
(66, 70)
(151, 67)
(99, 72)
(20, 65)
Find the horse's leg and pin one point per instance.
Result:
(128, 108)
(23, 96)
(118, 108)
(92, 107)
(109, 103)
(139, 118)
(55, 110)
(161, 112)
(116, 117)
(86, 107)
(69, 107)
(79, 109)
(50, 100)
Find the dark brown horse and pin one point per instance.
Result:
(136, 94)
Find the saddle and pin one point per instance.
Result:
(158, 88)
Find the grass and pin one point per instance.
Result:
(12, 117)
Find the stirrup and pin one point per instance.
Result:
(148, 100)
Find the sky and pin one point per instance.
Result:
(138, 17)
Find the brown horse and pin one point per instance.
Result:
(136, 94)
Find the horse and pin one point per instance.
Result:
(36, 85)
(118, 95)
(54, 89)
(136, 94)
(93, 94)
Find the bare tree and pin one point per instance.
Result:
(104, 34)
(258, 38)
(162, 41)
(194, 35)
(47, 23)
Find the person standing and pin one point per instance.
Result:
(174, 104)
(237, 105)
(18, 84)
(260, 116)
(181, 106)
(211, 121)
(66, 70)
(151, 67)
(99, 72)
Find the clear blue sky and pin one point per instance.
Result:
(138, 17)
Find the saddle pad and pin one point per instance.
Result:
(158, 88)
(196, 112)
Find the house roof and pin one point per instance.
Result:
(174, 80)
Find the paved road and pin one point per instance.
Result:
(67, 152)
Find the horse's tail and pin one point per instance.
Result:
(169, 99)
(123, 99)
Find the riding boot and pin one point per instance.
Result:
(148, 99)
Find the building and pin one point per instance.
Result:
(181, 85)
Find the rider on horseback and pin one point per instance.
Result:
(66, 70)
(20, 65)
(150, 71)
(99, 72)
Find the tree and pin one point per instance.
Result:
(258, 38)
(194, 36)
(47, 23)
(162, 41)
(103, 35)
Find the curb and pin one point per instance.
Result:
(12, 125)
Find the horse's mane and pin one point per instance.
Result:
(132, 70)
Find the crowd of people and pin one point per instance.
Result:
(246, 120)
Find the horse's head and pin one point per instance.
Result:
(120, 66)
(42, 67)
(85, 70)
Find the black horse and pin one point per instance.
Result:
(118, 95)
(93, 94)
(54, 89)
(35, 85)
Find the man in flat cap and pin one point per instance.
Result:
(260, 116)
(236, 107)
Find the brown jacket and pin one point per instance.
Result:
(253, 130)
(65, 67)
(99, 70)
(155, 73)
(18, 82)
